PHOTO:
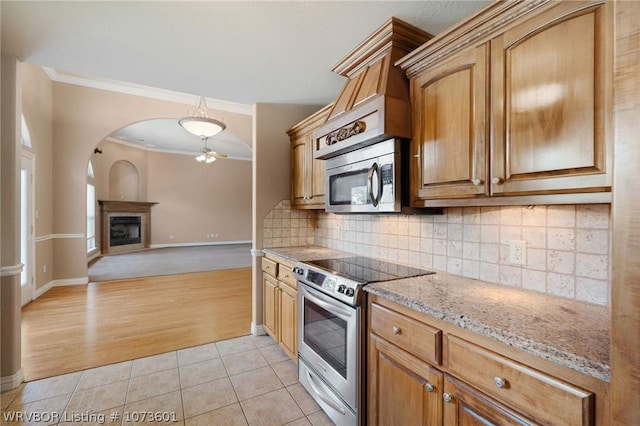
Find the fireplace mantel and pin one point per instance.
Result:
(109, 209)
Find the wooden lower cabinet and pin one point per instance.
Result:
(421, 373)
(270, 304)
(279, 304)
(288, 335)
(464, 405)
(403, 390)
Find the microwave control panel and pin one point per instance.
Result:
(386, 176)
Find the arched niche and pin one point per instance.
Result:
(124, 181)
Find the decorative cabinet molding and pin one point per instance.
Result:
(307, 173)
(514, 106)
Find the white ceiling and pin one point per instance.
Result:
(242, 52)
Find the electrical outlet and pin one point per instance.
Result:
(518, 252)
(44, 268)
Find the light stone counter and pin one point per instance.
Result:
(306, 253)
(570, 333)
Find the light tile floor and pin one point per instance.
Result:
(243, 381)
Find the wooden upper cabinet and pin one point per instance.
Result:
(449, 143)
(299, 167)
(550, 103)
(307, 173)
(514, 106)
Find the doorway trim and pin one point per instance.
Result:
(28, 164)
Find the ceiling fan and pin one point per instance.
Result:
(207, 155)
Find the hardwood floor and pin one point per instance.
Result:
(73, 328)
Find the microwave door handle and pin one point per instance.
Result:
(379, 186)
(372, 170)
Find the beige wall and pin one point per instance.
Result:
(195, 199)
(271, 175)
(82, 118)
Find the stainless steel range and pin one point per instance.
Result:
(332, 330)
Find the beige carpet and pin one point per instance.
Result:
(170, 260)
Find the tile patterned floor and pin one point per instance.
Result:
(243, 381)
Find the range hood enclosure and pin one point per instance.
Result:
(374, 104)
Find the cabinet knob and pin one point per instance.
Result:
(477, 182)
(500, 382)
(447, 397)
(396, 330)
(497, 180)
(429, 387)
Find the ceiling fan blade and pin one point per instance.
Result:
(219, 155)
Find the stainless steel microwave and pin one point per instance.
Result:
(367, 180)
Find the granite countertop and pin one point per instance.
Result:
(570, 333)
(306, 253)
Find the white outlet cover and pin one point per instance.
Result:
(518, 252)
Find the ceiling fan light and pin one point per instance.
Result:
(210, 159)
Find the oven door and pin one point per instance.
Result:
(328, 341)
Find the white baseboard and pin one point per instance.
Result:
(70, 281)
(59, 283)
(8, 383)
(214, 243)
(45, 288)
(257, 330)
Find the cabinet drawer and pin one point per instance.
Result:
(270, 267)
(414, 336)
(543, 398)
(286, 275)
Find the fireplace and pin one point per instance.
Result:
(125, 226)
(125, 230)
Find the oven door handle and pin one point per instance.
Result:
(322, 396)
(317, 298)
(374, 198)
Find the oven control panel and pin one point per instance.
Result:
(339, 287)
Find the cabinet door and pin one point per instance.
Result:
(403, 390)
(299, 173)
(317, 177)
(466, 406)
(551, 83)
(450, 128)
(288, 335)
(270, 304)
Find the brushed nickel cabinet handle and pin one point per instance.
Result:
(477, 182)
(497, 180)
(500, 382)
(396, 330)
(429, 387)
(447, 397)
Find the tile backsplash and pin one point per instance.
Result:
(285, 227)
(567, 247)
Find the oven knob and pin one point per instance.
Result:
(349, 292)
(342, 288)
(298, 270)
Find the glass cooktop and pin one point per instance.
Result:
(367, 270)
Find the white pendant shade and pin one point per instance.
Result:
(200, 123)
(203, 127)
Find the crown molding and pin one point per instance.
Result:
(165, 151)
(146, 91)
